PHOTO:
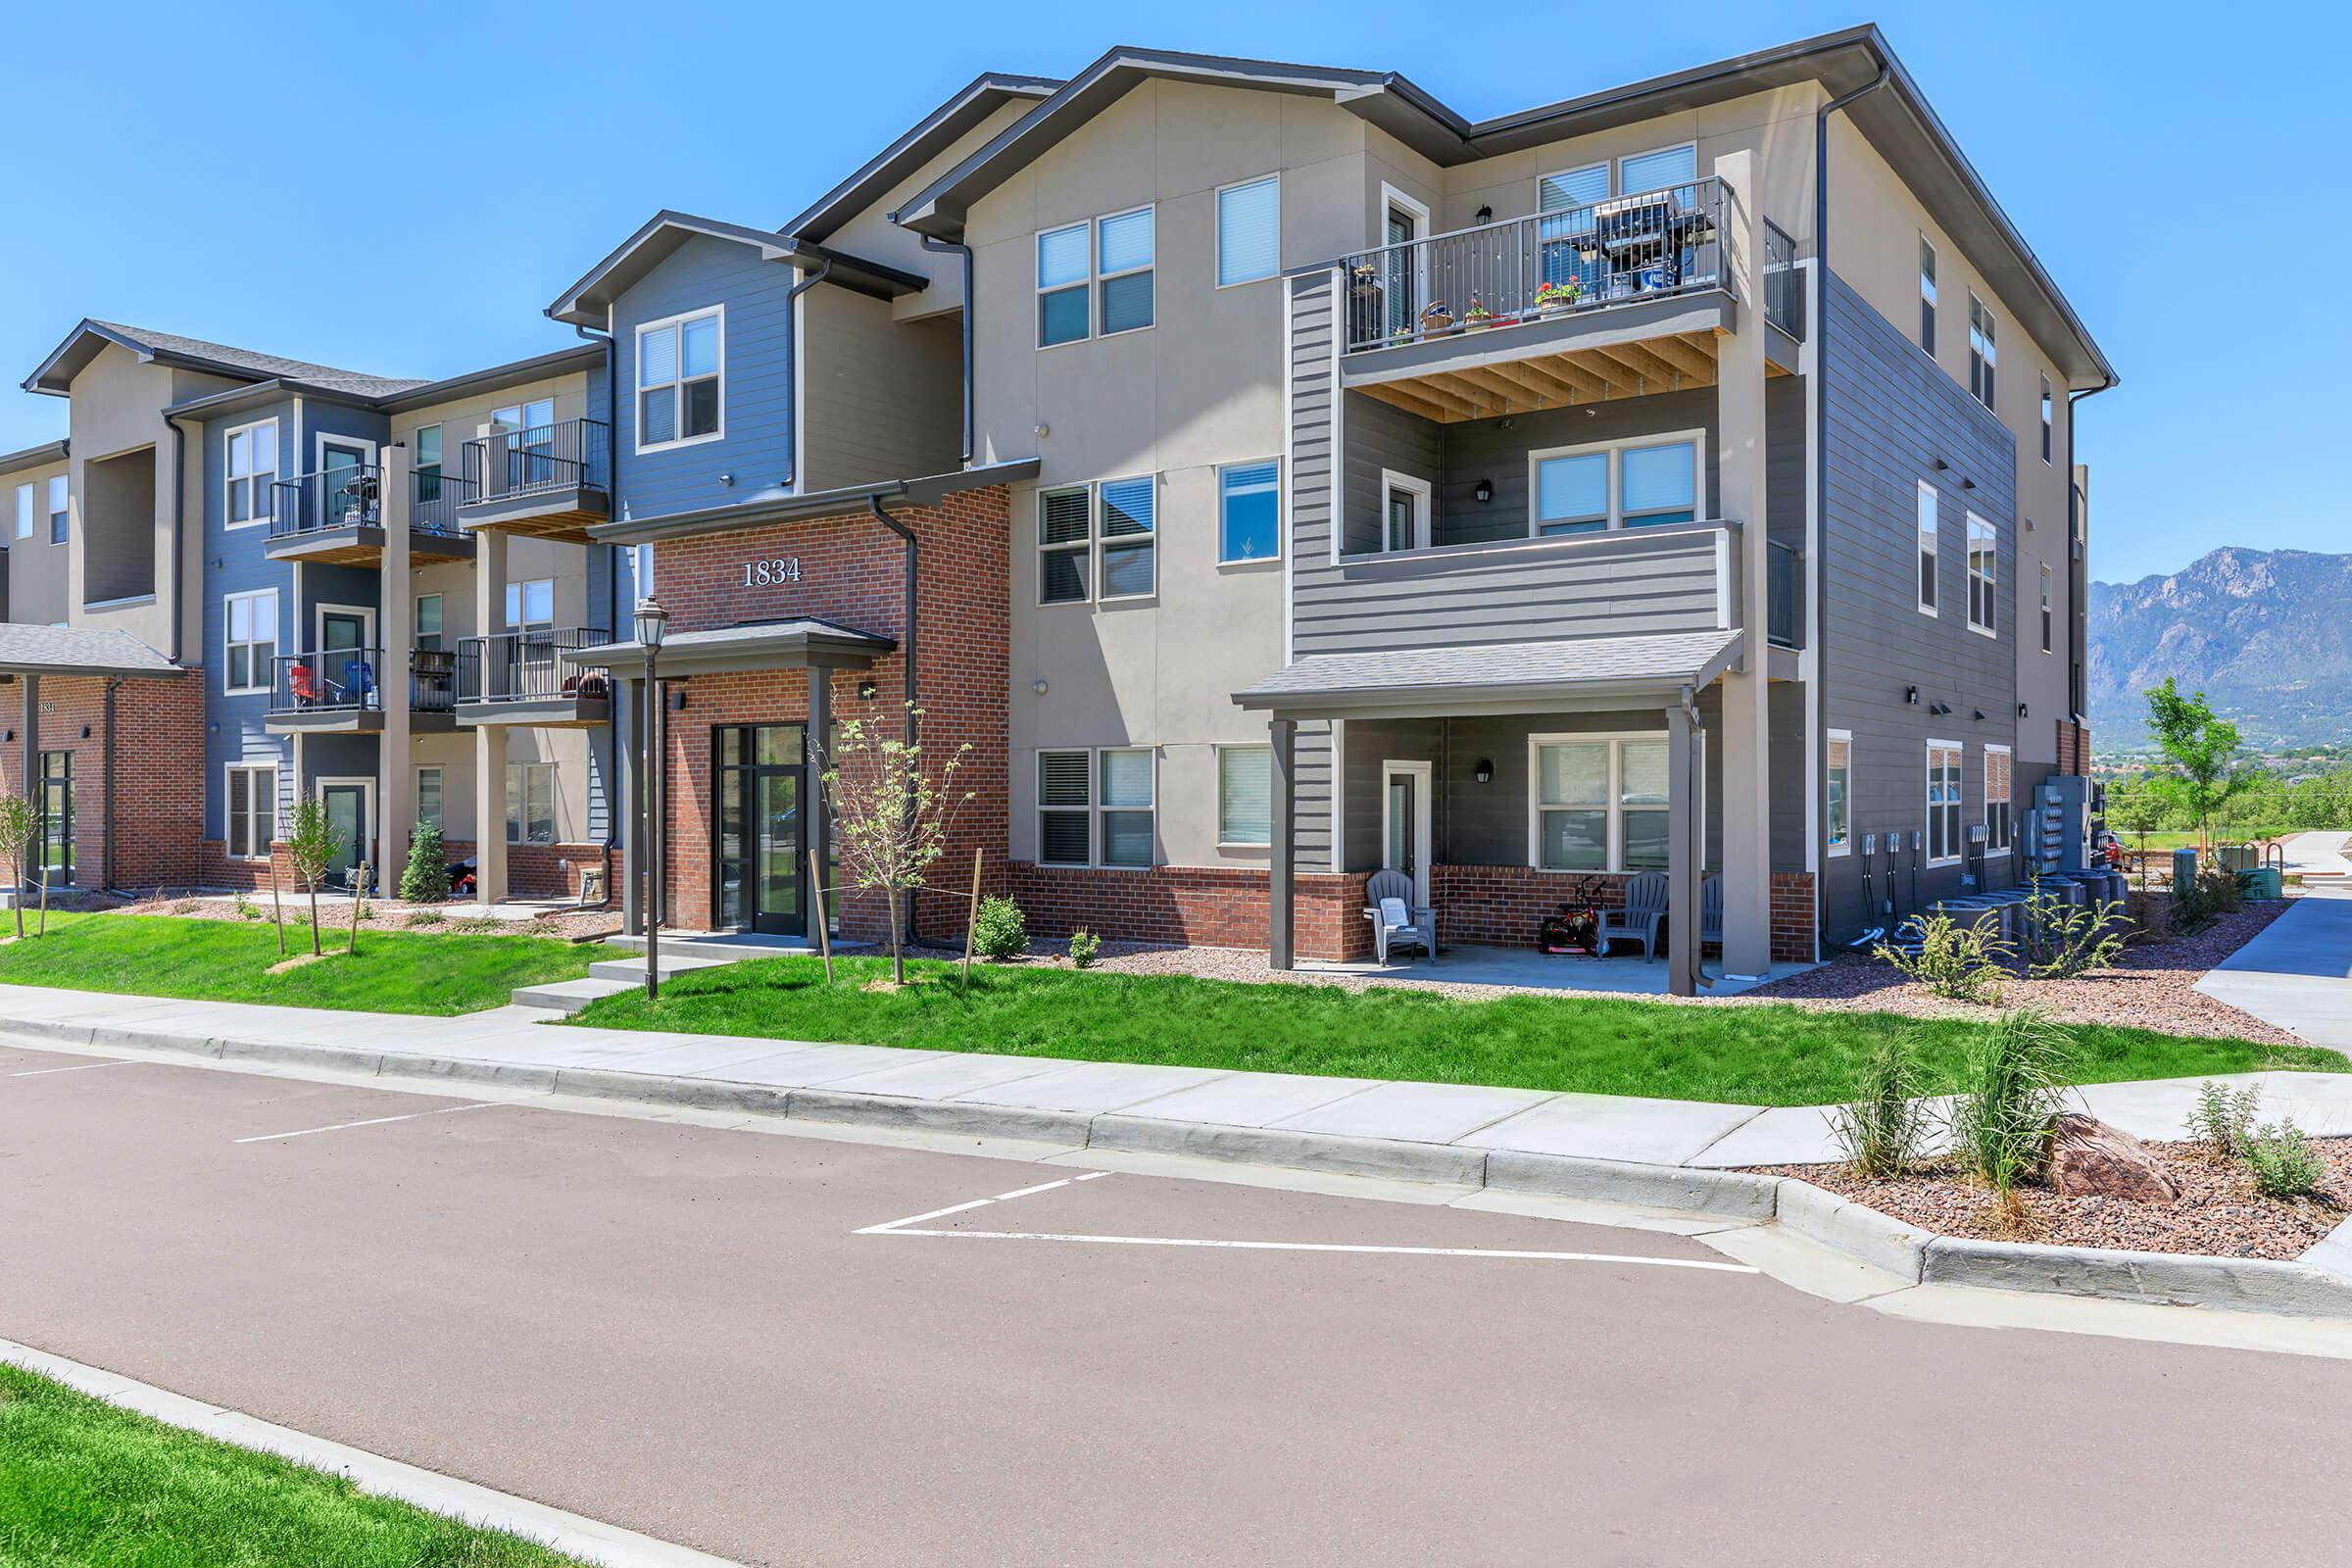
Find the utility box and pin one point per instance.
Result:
(2184, 870)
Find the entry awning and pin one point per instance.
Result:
(29, 650)
(767, 644)
(1584, 672)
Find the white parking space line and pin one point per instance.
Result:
(40, 1072)
(907, 1226)
(378, 1121)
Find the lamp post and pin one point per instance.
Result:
(652, 619)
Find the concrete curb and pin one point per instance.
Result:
(1859, 1232)
(1330, 1153)
(1728, 1193)
(2163, 1279)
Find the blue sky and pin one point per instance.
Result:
(403, 189)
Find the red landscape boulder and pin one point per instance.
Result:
(2090, 1159)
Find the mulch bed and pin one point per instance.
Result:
(2219, 1213)
(456, 919)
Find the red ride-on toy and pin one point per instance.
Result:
(1574, 927)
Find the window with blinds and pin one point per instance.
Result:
(1658, 170)
(1249, 511)
(1123, 254)
(1128, 544)
(250, 811)
(1571, 189)
(1064, 546)
(1837, 780)
(1984, 574)
(1065, 834)
(1944, 802)
(1244, 795)
(1997, 818)
(1126, 807)
(1249, 232)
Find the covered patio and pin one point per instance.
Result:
(1528, 969)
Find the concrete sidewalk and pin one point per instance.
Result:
(2297, 974)
(1432, 1132)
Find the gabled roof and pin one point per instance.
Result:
(588, 302)
(31, 650)
(88, 340)
(930, 137)
(42, 456)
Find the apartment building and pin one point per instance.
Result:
(1274, 476)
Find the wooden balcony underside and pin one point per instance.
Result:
(1670, 363)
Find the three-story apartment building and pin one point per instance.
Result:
(1274, 476)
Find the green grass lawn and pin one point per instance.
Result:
(1762, 1054)
(84, 1485)
(229, 960)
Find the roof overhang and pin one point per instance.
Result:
(30, 649)
(39, 457)
(799, 644)
(923, 492)
(56, 373)
(930, 137)
(589, 302)
(1567, 675)
(498, 377)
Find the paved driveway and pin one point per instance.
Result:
(699, 1333)
(2330, 854)
(2298, 972)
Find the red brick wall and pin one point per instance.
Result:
(550, 871)
(853, 573)
(1505, 905)
(1796, 924)
(156, 783)
(1197, 905)
(2073, 747)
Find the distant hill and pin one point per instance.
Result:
(2265, 634)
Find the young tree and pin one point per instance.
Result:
(310, 841)
(2133, 807)
(20, 827)
(891, 810)
(2203, 750)
(425, 878)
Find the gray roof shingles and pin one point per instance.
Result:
(268, 367)
(1665, 657)
(68, 649)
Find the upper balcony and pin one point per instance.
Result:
(338, 516)
(340, 691)
(552, 481)
(1578, 305)
(521, 677)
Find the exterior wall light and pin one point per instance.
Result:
(1484, 491)
(1483, 772)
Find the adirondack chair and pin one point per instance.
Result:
(302, 682)
(1644, 913)
(1395, 922)
(1710, 910)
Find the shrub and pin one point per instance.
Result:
(1881, 1133)
(1956, 960)
(1085, 947)
(425, 878)
(2210, 895)
(2222, 1117)
(245, 908)
(999, 930)
(2064, 940)
(2282, 1162)
(426, 917)
(2014, 1084)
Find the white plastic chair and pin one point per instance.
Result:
(1395, 922)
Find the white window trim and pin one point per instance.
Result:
(1217, 250)
(261, 519)
(1839, 851)
(1927, 841)
(2049, 618)
(1282, 481)
(26, 508)
(1086, 809)
(1096, 541)
(510, 825)
(638, 390)
(1095, 809)
(1615, 521)
(1425, 507)
(2003, 852)
(1928, 544)
(1103, 542)
(522, 587)
(366, 614)
(226, 839)
(1932, 301)
(417, 792)
(1094, 318)
(1039, 289)
(1671, 147)
(50, 514)
(1609, 171)
(1980, 314)
(1991, 580)
(2049, 433)
(367, 815)
(277, 644)
(1615, 739)
(1219, 749)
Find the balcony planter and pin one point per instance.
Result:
(1435, 318)
(1558, 299)
(1478, 317)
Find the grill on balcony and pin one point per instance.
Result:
(527, 670)
(346, 497)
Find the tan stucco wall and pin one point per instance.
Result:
(871, 235)
(36, 568)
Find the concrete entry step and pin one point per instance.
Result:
(683, 944)
(631, 969)
(570, 996)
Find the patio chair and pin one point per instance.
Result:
(1710, 910)
(302, 682)
(1644, 913)
(1395, 922)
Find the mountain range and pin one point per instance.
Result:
(2265, 634)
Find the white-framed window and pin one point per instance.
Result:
(2048, 620)
(429, 622)
(1244, 795)
(249, 810)
(1598, 803)
(1616, 484)
(1944, 802)
(251, 464)
(25, 512)
(1838, 788)
(1250, 231)
(1662, 169)
(682, 379)
(1983, 576)
(427, 447)
(1927, 548)
(2049, 401)
(1096, 541)
(1998, 820)
(1572, 188)
(1406, 508)
(428, 797)
(530, 803)
(1980, 352)
(61, 517)
(531, 605)
(1094, 279)
(249, 639)
(1927, 296)
(1095, 807)
(1249, 511)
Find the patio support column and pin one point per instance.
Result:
(1747, 751)
(396, 778)
(1281, 853)
(820, 752)
(628, 726)
(489, 740)
(31, 777)
(1683, 850)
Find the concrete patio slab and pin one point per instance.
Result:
(1526, 970)
(1663, 1131)
(1421, 1113)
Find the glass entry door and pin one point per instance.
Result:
(56, 806)
(763, 776)
(348, 816)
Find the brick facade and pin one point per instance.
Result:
(1196, 905)
(2073, 747)
(1505, 905)
(547, 871)
(152, 798)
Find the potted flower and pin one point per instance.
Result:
(1477, 318)
(1553, 298)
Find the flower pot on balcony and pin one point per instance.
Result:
(1437, 318)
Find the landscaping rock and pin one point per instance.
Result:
(2090, 1159)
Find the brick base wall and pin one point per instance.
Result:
(2073, 747)
(1192, 906)
(1505, 905)
(154, 787)
(1795, 921)
(553, 870)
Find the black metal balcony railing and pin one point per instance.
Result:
(348, 497)
(434, 500)
(1783, 595)
(520, 666)
(1783, 291)
(1659, 242)
(569, 454)
(349, 680)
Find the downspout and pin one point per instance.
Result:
(2078, 665)
(105, 769)
(957, 248)
(792, 355)
(905, 647)
(180, 518)
(1820, 326)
